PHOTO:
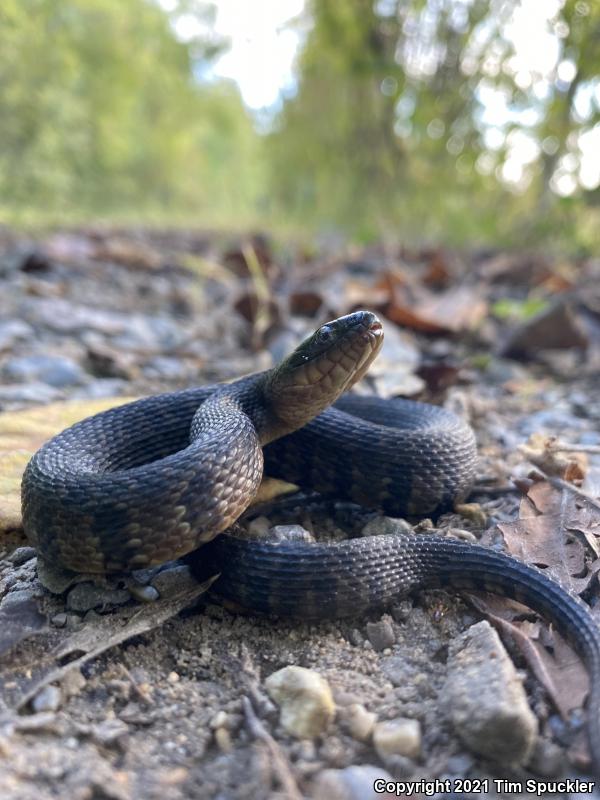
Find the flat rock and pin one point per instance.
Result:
(486, 700)
(57, 371)
(86, 596)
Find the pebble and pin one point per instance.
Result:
(101, 388)
(21, 555)
(305, 701)
(87, 596)
(400, 736)
(352, 783)
(145, 594)
(359, 721)
(57, 371)
(385, 526)
(486, 700)
(12, 331)
(381, 634)
(166, 368)
(62, 316)
(172, 579)
(223, 740)
(35, 392)
(54, 578)
(289, 533)
(259, 527)
(48, 699)
(59, 620)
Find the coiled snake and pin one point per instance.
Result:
(154, 479)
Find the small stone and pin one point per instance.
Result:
(87, 596)
(173, 677)
(54, 578)
(48, 699)
(59, 620)
(400, 736)
(462, 535)
(21, 555)
(385, 526)
(304, 698)
(259, 527)
(172, 579)
(359, 721)
(57, 371)
(72, 682)
(219, 720)
(12, 331)
(352, 783)
(223, 740)
(486, 700)
(145, 594)
(356, 637)
(290, 533)
(381, 634)
(34, 392)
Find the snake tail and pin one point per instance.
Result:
(326, 581)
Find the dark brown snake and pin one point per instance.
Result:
(153, 480)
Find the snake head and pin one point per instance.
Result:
(320, 369)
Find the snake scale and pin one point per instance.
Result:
(157, 478)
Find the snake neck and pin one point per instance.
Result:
(249, 395)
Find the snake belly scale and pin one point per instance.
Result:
(155, 479)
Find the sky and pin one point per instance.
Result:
(263, 48)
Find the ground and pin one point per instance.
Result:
(146, 686)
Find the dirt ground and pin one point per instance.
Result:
(146, 686)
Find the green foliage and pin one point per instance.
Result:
(386, 133)
(99, 115)
(519, 310)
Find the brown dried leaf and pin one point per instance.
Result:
(452, 311)
(570, 466)
(22, 432)
(544, 534)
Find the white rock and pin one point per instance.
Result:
(305, 701)
(352, 783)
(359, 721)
(398, 736)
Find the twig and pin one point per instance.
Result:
(280, 763)
(563, 447)
(261, 291)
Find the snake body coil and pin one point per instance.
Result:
(152, 480)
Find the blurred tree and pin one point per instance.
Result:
(99, 112)
(390, 126)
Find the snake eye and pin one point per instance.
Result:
(324, 334)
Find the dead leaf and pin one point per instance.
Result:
(22, 433)
(544, 535)
(556, 328)
(455, 310)
(570, 466)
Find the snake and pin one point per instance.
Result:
(155, 479)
